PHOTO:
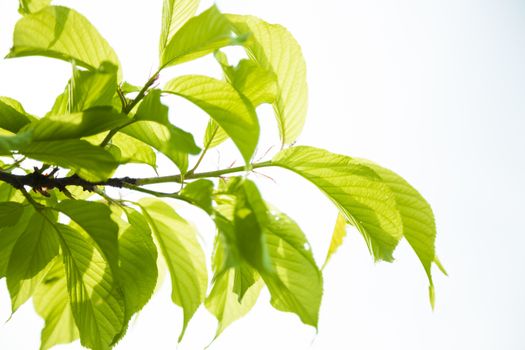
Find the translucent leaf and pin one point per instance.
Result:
(275, 49)
(182, 253)
(151, 108)
(356, 189)
(419, 227)
(51, 302)
(95, 219)
(10, 213)
(199, 193)
(32, 252)
(9, 235)
(214, 135)
(88, 161)
(96, 302)
(138, 263)
(12, 142)
(337, 237)
(30, 6)
(76, 125)
(296, 284)
(60, 32)
(87, 89)
(198, 37)
(225, 105)
(173, 142)
(11, 118)
(133, 150)
(174, 14)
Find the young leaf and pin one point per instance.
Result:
(10, 142)
(32, 252)
(10, 213)
(199, 193)
(51, 302)
(76, 125)
(133, 150)
(184, 256)
(138, 263)
(151, 108)
(29, 6)
(337, 237)
(174, 14)
(225, 105)
(96, 302)
(198, 37)
(11, 118)
(275, 49)
(95, 219)
(9, 235)
(356, 190)
(296, 285)
(60, 32)
(88, 161)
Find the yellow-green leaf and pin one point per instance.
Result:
(174, 14)
(30, 6)
(337, 237)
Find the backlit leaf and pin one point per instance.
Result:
(356, 190)
(10, 213)
(275, 49)
(174, 14)
(199, 193)
(182, 253)
(9, 235)
(30, 6)
(60, 32)
(12, 118)
(337, 237)
(225, 105)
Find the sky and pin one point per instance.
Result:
(433, 90)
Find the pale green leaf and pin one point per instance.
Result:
(198, 37)
(296, 284)
(51, 302)
(76, 125)
(214, 135)
(275, 49)
(225, 105)
(11, 117)
(174, 14)
(199, 193)
(337, 237)
(60, 32)
(32, 252)
(96, 302)
(88, 161)
(10, 142)
(9, 235)
(133, 150)
(151, 108)
(95, 219)
(30, 6)
(356, 189)
(10, 213)
(183, 255)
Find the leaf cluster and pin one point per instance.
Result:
(91, 261)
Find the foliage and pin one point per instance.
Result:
(90, 261)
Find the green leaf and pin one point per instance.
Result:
(87, 90)
(199, 193)
(184, 256)
(337, 237)
(60, 32)
(296, 285)
(198, 37)
(224, 303)
(12, 115)
(96, 302)
(76, 125)
(275, 49)
(10, 213)
(95, 219)
(30, 6)
(173, 142)
(9, 143)
(51, 302)
(88, 161)
(32, 252)
(151, 108)
(225, 105)
(138, 263)
(356, 189)
(419, 227)
(133, 150)
(9, 235)
(174, 14)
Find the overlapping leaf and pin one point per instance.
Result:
(275, 49)
(338, 235)
(60, 32)
(184, 257)
(224, 105)
(174, 14)
(12, 115)
(30, 6)
(9, 235)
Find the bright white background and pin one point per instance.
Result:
(434, 90)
